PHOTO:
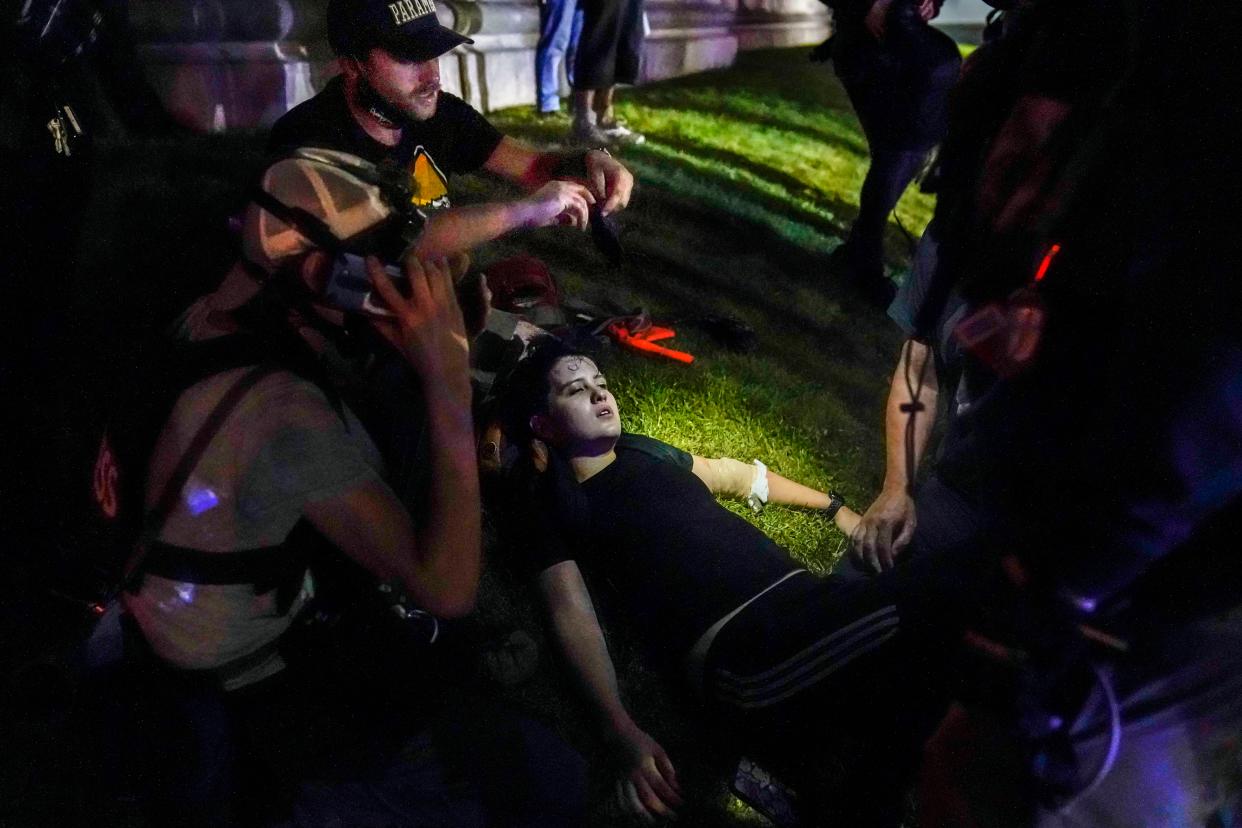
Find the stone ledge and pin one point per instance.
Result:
(213, 78)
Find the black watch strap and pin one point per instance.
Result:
(835, 502)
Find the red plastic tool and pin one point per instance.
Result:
(644, 341)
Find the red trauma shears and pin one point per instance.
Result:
(643, 338)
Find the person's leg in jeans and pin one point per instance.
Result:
(561, 26)
(184, 740)
(571, 51)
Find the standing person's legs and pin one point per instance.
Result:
(890, 172)
(595, 68)
(555, 39)
(628, 60)
(571, 50)
(595, 62)
(899, 91)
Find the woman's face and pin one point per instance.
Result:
(581, 409)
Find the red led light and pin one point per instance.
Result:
(1042, 270)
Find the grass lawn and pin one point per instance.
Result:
(748, 179)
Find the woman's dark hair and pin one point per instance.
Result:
(529, 384)
(555, 491)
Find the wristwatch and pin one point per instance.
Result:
(835, 502)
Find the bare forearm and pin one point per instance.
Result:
(788, 492)
(726, 476)
(791, 493)
(915, 372)
(584, 647)
(461, 229)
(847, 520)
(450, 546)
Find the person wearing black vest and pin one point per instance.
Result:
(1084, 219)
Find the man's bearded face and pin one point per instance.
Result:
(411, 88)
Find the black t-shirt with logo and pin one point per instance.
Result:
(674, 559)
(457, 139)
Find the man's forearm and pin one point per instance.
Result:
(461, 229)
(907, 424)
(547, 166)
(450, 547)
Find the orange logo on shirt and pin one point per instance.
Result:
(430, 186)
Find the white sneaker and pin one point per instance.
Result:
(621, 135)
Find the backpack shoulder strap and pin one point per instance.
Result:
(185, 467)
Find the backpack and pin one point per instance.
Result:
(142, 402)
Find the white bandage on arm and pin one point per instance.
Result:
(758, 497)
(724, 475)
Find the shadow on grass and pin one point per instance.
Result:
(713, 165)
(843, 133)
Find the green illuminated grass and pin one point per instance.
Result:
(748, 179)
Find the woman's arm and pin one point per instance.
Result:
(649, 773)
(726, 476)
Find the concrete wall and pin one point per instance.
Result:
(224, 64)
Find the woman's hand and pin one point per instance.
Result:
(648, 788)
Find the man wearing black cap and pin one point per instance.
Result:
(387, 106)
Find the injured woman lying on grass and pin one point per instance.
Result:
(816, 677)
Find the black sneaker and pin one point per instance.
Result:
(867, 277)
(587, 134)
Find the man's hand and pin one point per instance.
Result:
(427, 326)
(928, 10)
(610, 181)
(885, 530)
(649, 788)
(876, 20)
(558, 202)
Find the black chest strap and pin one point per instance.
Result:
(266, 568)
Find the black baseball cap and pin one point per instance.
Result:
(409, 29)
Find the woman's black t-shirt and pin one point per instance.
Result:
(676, 560)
